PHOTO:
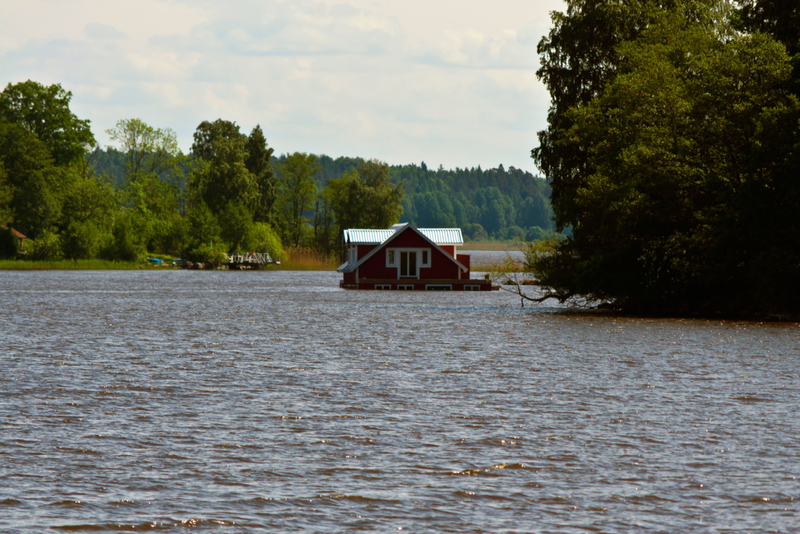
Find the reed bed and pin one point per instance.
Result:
(306, 259)
(488, 266)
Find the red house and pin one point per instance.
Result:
(404, 257)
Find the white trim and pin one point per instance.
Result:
(393, 262)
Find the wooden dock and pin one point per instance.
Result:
(250, 260)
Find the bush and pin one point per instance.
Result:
(81, 240)
(262, 238)
(47, 246)
(204, 253)
(8, 244)
(126, 243)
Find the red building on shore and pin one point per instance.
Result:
(407, 258)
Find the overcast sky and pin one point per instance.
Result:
(448, 82)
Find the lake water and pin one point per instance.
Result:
(275, 401)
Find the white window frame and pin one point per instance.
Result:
(405, 287)
(383, 287)
(395, 252)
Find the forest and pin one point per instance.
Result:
(673, 154)
(142, 196)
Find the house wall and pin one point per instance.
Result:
(464, 260)
(441, 267)
(363, 250)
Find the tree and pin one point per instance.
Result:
(226, 178)
(297, 190)
(149, 151)
(324, 222)
(258, 163)
(44, 112)
(208, 134)
(687, 154)
(31, 179)
(235, 224)
(778, 18)
(6, 196)
(8, 243)
(579, 57)
(366, 197)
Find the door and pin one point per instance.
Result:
(408, 263)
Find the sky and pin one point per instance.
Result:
(447, 82)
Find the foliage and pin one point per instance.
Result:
(297, 189)
(8, 243)
(148, 150)
(458, 197)
(31, 178)
(671, 173)
(258, 163)
(6, 197)
(47, 246)
(236, 223)
(127, 242)
(366, 198)
(263, 238)
(43, 111)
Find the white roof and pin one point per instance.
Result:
(440, 236)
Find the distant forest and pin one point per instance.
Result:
(492, 204)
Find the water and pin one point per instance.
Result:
(274, 401)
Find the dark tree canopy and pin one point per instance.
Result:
(44, 112)
(681, 196)
(258, 162)
(208, 135)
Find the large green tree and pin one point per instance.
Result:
(366, 197)
(682, 197)
(226, 178)
(44, 112)
(34, 184)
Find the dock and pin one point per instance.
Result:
(250, 260)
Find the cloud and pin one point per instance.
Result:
(95, 30)
(449, 82)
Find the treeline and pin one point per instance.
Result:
(673, 150)
(492, 204)
(73, 200)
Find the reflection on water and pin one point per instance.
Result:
(233, 402)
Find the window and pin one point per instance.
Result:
(431, 287)
(406, 288)
(379, 286)
(390, 258)
(472, 288)
(425, 255)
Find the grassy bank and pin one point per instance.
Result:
(69, 265)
